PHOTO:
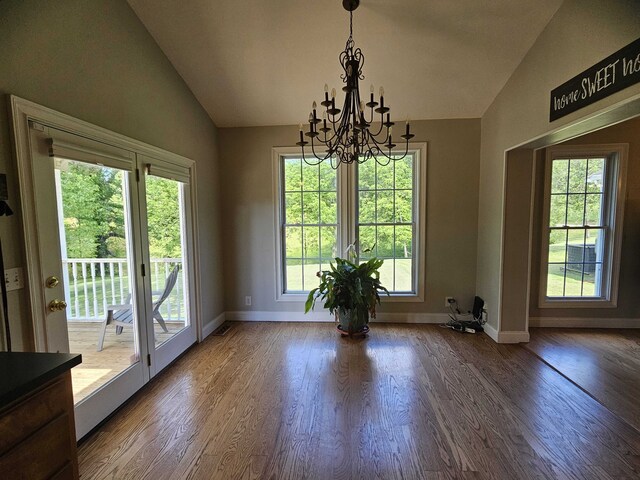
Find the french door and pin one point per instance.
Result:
(113, 232)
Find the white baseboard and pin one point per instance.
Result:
(513, 337)
(492, 332)
(324, 316)
(507, 336)
(584, 322)
(261, 316)
(210, 327)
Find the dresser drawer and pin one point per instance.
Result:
(42, 455)
(32, 413)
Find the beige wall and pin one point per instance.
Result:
(94, 60)
(248, 217)
(628, 304)
(581, 33)
(515, 266)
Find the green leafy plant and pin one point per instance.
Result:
(349, 291)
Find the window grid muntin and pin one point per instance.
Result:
(599, 287)
(376, 224)
(302, 225)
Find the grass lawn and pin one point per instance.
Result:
(403, 275)
(555, 277)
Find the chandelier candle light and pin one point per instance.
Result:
(347, 135)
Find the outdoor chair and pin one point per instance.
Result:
(122, 315)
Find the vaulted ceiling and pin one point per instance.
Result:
(262, 62)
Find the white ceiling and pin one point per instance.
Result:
(262, 62)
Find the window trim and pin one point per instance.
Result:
(278, 185)
(419, 149)
(616, 155)
(347, 198)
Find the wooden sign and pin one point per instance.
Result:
(614, 73)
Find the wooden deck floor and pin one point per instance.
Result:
(606, 363)
(97, 368)
(272, 400)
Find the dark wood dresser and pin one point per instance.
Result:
(37, 427)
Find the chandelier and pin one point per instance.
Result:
(350, 135)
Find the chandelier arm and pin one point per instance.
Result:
(381, 155)
(380, 142)
(373, 114)
(310, 162)
(304, 159)
(336, 118)
(343, 128)
(317, 157)
(320, 158)
(341, 156)
(334, 136)
(381, 126)
(335, 127)
(391, 157)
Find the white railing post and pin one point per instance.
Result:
(107, 277)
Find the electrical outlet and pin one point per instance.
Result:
(13, 279)
(448, 301)
(247, 300)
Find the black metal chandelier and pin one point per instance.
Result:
(349, 135)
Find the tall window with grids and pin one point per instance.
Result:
(310, 221)
(321, 211)
(582, 207)
(385, 220)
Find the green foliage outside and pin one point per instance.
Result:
(311, 199)
(93, 211)
(93, 208)
(94, 223)
(311, 210)
(576, 200)
(385, 196)
(163, 214)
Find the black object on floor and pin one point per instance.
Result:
(222, 329)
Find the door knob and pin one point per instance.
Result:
(55, 305)
(52, 282)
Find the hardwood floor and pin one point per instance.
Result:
(604, 362)
(283, 400)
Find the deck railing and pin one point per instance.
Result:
(92, 284)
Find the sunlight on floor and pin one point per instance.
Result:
(118, 353)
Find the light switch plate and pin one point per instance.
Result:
(13, 278)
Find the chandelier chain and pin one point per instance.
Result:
(351, 24)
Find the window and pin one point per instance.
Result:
(310, 221)
(320, 211)
(584, 192)
(385, 220)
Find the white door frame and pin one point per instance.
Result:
(23, 111)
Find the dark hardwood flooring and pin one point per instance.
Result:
(295, 401)
(604, 362)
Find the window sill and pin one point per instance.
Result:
(393, 298)
(577, 303)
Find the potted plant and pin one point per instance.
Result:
(350, 292)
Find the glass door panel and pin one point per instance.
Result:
(95, 238)
(166, 234)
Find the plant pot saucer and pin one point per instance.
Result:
(360, 333)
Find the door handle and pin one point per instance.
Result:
(56, 305)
